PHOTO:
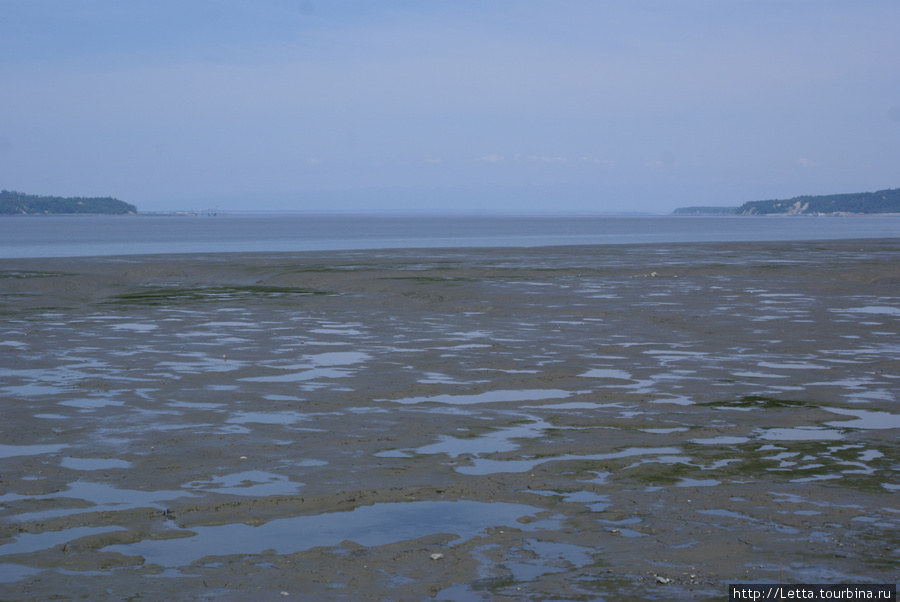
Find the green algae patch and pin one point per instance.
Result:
(759, 401)
(174, 295)
(828, 463)
(656, 473)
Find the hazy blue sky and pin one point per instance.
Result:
(553, 105)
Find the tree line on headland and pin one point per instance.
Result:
(19, 203)
(881, 201)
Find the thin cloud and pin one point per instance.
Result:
(596, 161)
(541, 159)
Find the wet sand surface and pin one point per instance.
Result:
(575, 423)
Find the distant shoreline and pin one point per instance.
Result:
(881, 202)
(674, 215)
(19, 203)
(778, 215)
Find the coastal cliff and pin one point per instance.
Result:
(882, 201)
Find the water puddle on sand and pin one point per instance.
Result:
(482, 466)
(91, 403)
(266, 418)
(496, 442)
(534, 559)
(765, 375)
(664, 431)
(34, 542)
(619, 528)
(869, 455)
(883, 310)
(865, 419)
(722, 440)
(870, 396)
(338, 358)
(194, 405)
(552, 557)
(697, 483)
(11, 451)
(488, 397)
(486, 444)
(438, 378)
(254, 483)
(574, 405)
(305, 375)
(594, 501)
(348, 332)
(679, 401)
(134, 327)
(201, 366)
(607, 373)
(725, 513)
(10, 573)
(322, 365)
(103, 497)
(791, 366)
(800, 434)
(250, 325)
(93, 463)
(374, 525)
(32, 390)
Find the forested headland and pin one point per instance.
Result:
(881, 201)
(19, 203)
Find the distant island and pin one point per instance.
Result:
(882, 201)
(19, 203)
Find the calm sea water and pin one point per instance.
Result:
(82, 236)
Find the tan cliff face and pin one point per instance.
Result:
(798, 208)
(882, 202)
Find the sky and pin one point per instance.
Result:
(547, 106)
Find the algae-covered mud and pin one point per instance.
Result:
(578, 423)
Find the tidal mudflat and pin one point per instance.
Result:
(579, 423)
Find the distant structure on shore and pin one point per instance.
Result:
(882, 201)
(19, 203)
(211, 212)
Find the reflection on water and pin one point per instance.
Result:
(483, 466)
(866, 419)
(368, 525)
(32, 542)
(800, 434)
(102, 497)
(253, 483)
(94, 463)
(11, 451)
(488, 397)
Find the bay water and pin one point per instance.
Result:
(94, 235)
